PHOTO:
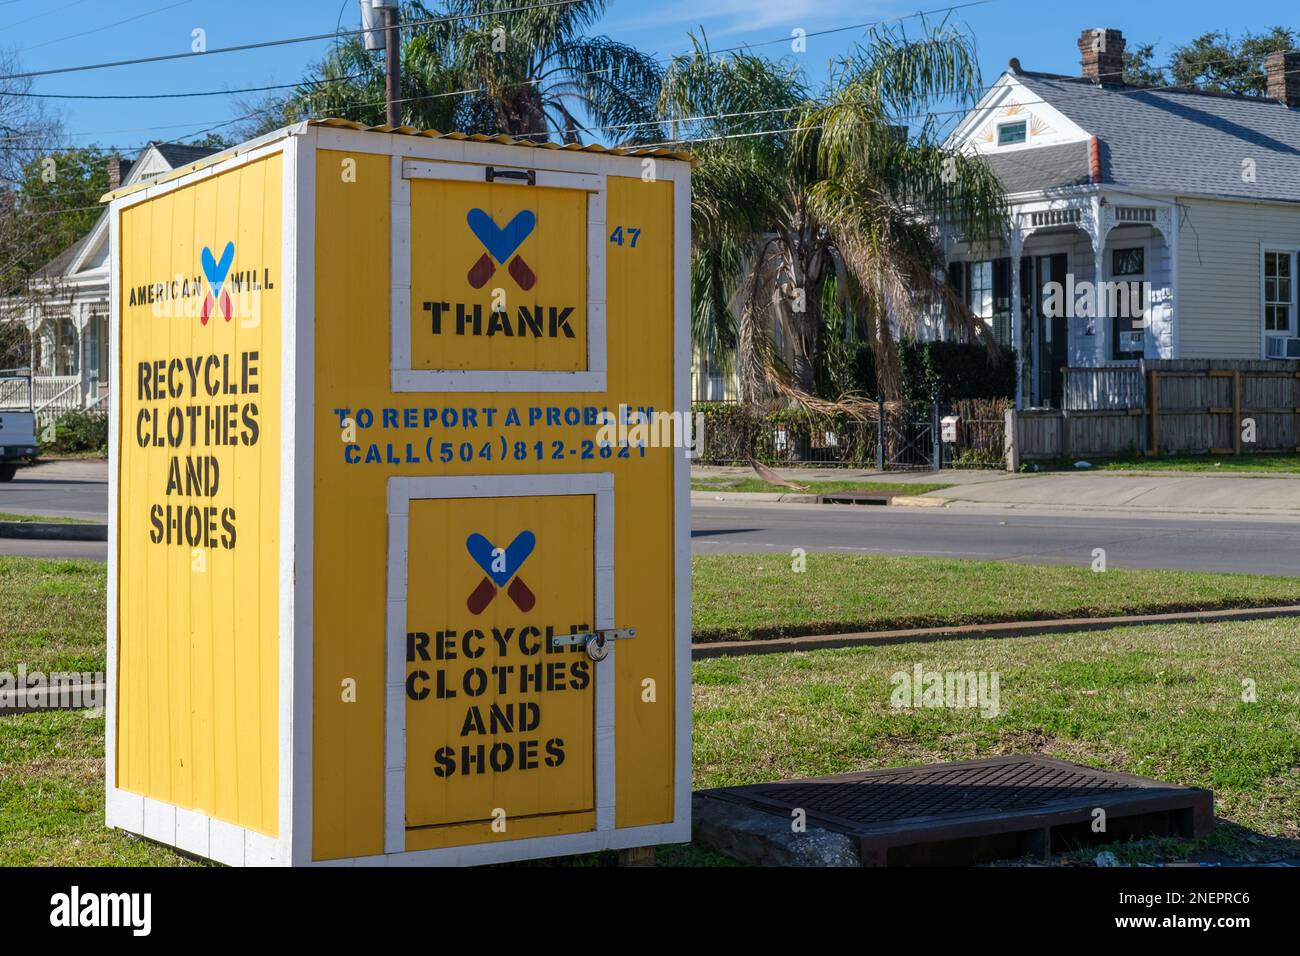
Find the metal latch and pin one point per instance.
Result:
(597, 641)
(492, 174)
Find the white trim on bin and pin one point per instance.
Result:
(407, 379)
(532, 848)
(135, 813)
(401, 492)
(682, 501)
(198, 175)
(114, 462)
(299, 850)
(474, 173)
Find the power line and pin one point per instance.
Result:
(39, 16)
(856, 26)
(109, 26)
(174, 96)
(264, 44)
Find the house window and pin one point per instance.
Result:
(980, 300)
(1009, 134)
(1128, 304)
(1277, 292)
(985, 287)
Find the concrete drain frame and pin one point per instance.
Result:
(946, 814)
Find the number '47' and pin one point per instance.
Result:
(616, 236)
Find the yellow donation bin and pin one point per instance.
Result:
(399, 563)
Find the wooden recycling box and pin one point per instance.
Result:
(399, 540)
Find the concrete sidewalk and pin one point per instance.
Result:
(1149, 494)
(1173, 493)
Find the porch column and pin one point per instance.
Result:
(1017, 319)
(79, 322)
(1167, 226)
(1097, 230)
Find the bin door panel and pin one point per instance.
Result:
(498, 276)
(499, 723)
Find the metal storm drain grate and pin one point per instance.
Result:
(858, 498)
(980, 810)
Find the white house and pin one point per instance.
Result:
(69, 319)
(1168, 219)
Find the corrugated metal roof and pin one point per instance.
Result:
(504, 140)
(659, 152)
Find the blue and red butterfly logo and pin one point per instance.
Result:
(501, 565)
(502, 245)
(216, 272)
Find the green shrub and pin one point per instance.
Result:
(77, 432)
(954, 370)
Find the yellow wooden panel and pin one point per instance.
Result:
(366, 434)
(199, 488)
(498, 276)
(639, 289)
(350, 532)
(498, 720)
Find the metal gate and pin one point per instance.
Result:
(908, 436)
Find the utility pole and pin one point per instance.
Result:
(384, 16)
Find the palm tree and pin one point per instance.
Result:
(488, 66)
(806, 206)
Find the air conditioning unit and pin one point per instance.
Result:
(1278, 347)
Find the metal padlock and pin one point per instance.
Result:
(596, 642)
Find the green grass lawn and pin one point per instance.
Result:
(743, 597)
(55, 519)
(1282, 465)
(52, 614)
(1160, 701)
(723, 483)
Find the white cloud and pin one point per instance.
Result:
(724, 17)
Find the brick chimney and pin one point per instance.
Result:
(1283, 71)
(1103, 56)
(115, 169)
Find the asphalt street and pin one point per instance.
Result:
(1249, 545)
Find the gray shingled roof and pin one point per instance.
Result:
(176, 154)
(1183, 141)
(182, 154)
(1046, 167)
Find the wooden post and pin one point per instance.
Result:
(392, 65)
(1236, 412)
(1009, 443)
(1153, 412)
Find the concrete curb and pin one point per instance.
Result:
(817, 642)
(793, 498)
(1155, 511)
(53, 531)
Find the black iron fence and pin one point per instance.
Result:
(891, 436)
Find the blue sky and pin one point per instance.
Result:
(1042, 35)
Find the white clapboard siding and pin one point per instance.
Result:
(1219, 273)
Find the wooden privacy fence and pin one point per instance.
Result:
(1184, 406)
